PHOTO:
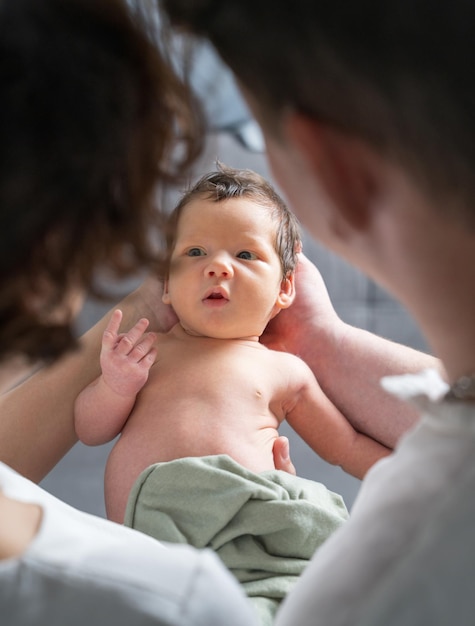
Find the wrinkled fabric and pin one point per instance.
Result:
(265, 527)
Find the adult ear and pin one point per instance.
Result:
(346, 168)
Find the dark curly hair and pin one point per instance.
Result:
(91, 117)
(227, 182)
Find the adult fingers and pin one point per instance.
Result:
(282, 459)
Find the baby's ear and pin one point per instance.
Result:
(165, 294)
(287, 292)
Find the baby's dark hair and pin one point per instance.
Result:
(226, 183)
(91, 115)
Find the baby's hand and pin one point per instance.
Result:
(126, 358)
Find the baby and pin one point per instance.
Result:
(208, 393)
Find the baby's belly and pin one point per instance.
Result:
(135, 451)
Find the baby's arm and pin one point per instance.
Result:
(327, 431)
(102, 408)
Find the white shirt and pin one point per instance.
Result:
(407, 555)
(85, 571)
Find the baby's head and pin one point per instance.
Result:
(232, 253)
(226, 183)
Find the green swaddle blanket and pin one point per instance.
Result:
(265, 527)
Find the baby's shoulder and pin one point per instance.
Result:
(283, 356)
(292, 363)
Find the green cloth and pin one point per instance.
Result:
(265, 527)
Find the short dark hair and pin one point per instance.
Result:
(226, 183)
(91, 112)
(395, 73)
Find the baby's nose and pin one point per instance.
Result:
(220, 265)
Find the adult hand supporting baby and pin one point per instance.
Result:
(311, 313)
(148, 302)
(348, 362)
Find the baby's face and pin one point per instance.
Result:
(225, 278)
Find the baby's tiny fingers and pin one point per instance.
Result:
(149, 358)
(109, 337)
(129, 340)
(143, 347)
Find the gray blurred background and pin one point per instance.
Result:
(235, 140)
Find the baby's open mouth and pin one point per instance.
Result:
(215, 296)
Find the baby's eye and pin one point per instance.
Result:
(246, 255)
(195, 252)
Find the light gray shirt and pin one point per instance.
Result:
(407, 555)
(85, 571)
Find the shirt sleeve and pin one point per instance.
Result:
(82, 570)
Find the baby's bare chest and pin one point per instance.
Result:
(218, 400)
(218, 379)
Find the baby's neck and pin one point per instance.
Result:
(182, 332)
